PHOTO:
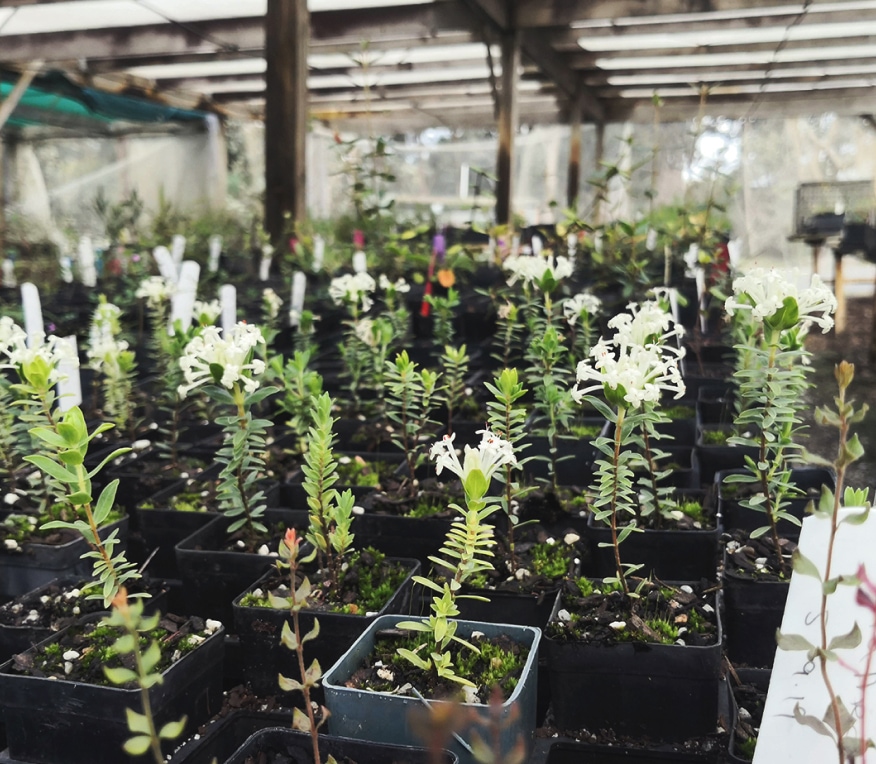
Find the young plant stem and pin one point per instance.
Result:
(89, 515)
(240, 474)
(618, 439)
(652, 468)
(770, 502)
(302, 669)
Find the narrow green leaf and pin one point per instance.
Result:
(52, 468)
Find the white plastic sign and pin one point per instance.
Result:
(215, 253)
(265, 265)
(9, 280)
(318, 253)
(33, 312)
(183, 299)
(228, 303)
(165, 264)
(178, 249)
(794, 682)
(70, 384)
(299, 285)
(87, 271)
(360, 263)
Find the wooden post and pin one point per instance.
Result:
(840, 291)
(507, 127)
(573, 179)
(287, 36)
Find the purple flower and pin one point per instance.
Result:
(52, 327)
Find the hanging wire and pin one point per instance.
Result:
(783, 43)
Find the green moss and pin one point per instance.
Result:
(551, 560)
(584, 431)
(499, 667)
(668, 631)
(680, 412)
(745, 748)
(358, 472)
(715, 437)
(426, 507)
(585, 586)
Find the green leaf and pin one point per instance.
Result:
(313, 633)
(105, 502)
(846, 641)
(151, 657)
(300, 720)
(137, 722)
(52, 468)
(114, 455)
(289, 685)
(120, 676)
(137, 745)
(804, 566)
(812, 722)
(288, 638)
(793, 642)
(49, 436)
(173, 730)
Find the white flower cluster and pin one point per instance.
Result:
(492, 453)
(365, 331)
(399, 286)
(583, 303)
(272, 302)
(156, 290)
(104, 346)
(205, 312)
(631, 372)
(232, 354)
(634, 366)
(533, 268)
(647, 322)
(105, 319)
(353, 288)
(53, 350)
(763, 291)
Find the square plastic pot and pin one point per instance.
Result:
(383, 717)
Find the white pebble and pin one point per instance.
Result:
(677, 515)
(45, 599)
(211, 625)
(708, 609)
(522, 573)
(240, 545)
(264, 551)
(10, 498)
(357, 510)
(618, 625)
(386, 674)
(686, 589)
(258, 593)
(68, 667)
(564, 615)
(139, 445)
(571, 538)
(471, 694)
(551, 541)
(76, 610)
(10, 543)
(477, 635)
(344, 460)
(70, 655)
(72, 594)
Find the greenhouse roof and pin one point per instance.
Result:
(53, 100)
(416, 63)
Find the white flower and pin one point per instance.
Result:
(206, 312)
(400, 286)
(155, 290)
(232, 354)
(583, 303)
(53, 350)
(365, 331)
(272, 302)
(103, 354)
(647, 322)
(492, 453)
(764, 291)
(105, 319)
(533, 268)
(629, 374)
(352, 288)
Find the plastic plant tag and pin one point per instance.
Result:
(87, 271)
(299, 285)
(794, 718)
(536, 245)
(265, 264)
(178, 249)
(183, 300)
(318, 253)
(70, 384)
(165, 264)
(215, 253)
(228, 303)
(515, 246)
(360, 264)
(651, 239)
(33, 311)
(9, 280)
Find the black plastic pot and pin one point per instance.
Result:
(662, 692)
(577, 753)
(411, 537)
(262, 654)
(221, 738)
(292, 494)
(212, 576)
(285, 745)
(385, 718)
(756, 678)
(671, 555)
(50, 721)
(40, 564)
(736, 517)
(716, 457)
(753, 612)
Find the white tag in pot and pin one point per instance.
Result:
(215, 253)
(33, 312)
(228, 302)
(178, 249)
(69, 384)
(183, 300)
(296, 305)
(165, 264)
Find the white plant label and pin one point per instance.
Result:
(33, 312)
(265, 265)
(9, 280)
(318, 253)
(793, 683)
(360, 263)
(572, 243)
(87, 271)
(178, 249)
(296, 304)
(215, 253)
(66, 269)
(536, 245)
(651, 239)
(228, 303)
(165, 264)
(515, 246)
(183, 299)
(69, 388)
